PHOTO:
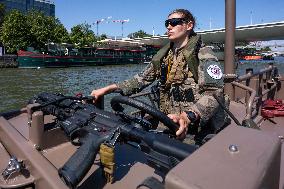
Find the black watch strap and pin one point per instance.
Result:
(191, 116)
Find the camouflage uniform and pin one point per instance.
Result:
(188, 85)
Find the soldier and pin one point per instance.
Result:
(189, 74)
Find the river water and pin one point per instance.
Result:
(17, 86)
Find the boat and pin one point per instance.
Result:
(252, 57)
(87, 56)
(246, 154)
(37, 152)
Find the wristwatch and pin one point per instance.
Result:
(191, 116)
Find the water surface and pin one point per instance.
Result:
(19, 85)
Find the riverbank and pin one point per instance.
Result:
(8, 61)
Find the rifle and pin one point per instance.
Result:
(88, 126)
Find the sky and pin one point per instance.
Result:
(147, 15)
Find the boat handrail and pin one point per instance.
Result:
(251, 74)
(255, 95)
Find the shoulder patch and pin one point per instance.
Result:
(214, 71)
(210, 74)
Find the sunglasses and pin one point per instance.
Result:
(175, 21)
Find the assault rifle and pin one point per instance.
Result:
(88, 126)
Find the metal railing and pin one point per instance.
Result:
(266, 84)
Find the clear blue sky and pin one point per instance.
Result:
(146, 14)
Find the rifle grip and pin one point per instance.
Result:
(74, 170)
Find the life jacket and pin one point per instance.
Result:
(190, 52)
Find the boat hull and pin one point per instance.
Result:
(36, 60)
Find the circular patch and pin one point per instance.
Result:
(214, 71)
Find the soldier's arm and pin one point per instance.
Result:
(103, 91)
(207, 105)
(139, 81)
(210, 80)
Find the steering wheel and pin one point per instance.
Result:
(118, 100)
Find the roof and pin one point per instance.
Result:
(257, 32)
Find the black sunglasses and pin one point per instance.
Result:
(175, 21)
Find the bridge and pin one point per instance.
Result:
(249, 33)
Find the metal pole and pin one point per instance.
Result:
(97, 28)
(122, 29)
(250, 17)
(230, 25)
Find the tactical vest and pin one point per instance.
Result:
(190, 53)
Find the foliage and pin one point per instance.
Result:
(242, 43)
(139, 34)
(14, 33)
(266, 49)
(103, 36)
(43, 29)
(2, 13)
(81, 35)
(20, 31)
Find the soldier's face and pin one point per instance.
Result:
(177, 30)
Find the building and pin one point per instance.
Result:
(45, 6)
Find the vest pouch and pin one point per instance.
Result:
(189, 90)
(176, 93)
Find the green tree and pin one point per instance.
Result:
(266, 49)
(2, 13)
(20, 31)
(139, 33)
(61, 34)
(15, 32)
(103, 36)
(82, 35)
(44, 29)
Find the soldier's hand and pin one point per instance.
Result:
(183, 122)
(97, 93)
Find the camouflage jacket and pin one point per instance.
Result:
(193, 75)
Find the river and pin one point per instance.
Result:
(19, 85)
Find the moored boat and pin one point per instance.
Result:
(251, 57)
(80, 57)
